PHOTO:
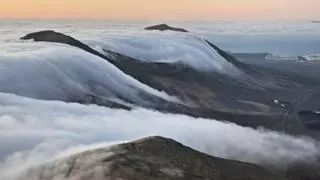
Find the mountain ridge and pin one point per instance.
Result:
(141, 159)
(205, 94)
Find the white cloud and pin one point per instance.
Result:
(36, 131)
(169, 47)
(60, 72)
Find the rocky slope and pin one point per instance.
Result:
(247, 99)
(152, 158)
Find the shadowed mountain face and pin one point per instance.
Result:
(153, 158)
(165, 27)
(246, 99)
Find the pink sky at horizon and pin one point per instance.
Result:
(162, 9)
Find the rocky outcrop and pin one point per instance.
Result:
(52, 36)
(165, 27)
(152, 158)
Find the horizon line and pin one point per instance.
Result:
(150, 20)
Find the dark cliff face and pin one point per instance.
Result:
(153, 158)
(165, 27)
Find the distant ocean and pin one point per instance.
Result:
(276, 37)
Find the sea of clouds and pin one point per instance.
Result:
(33, 132)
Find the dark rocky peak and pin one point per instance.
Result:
(57, 37)
(165, 27)
(52, 36)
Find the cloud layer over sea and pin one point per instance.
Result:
(35, 131)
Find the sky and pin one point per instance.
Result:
(162, 9)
